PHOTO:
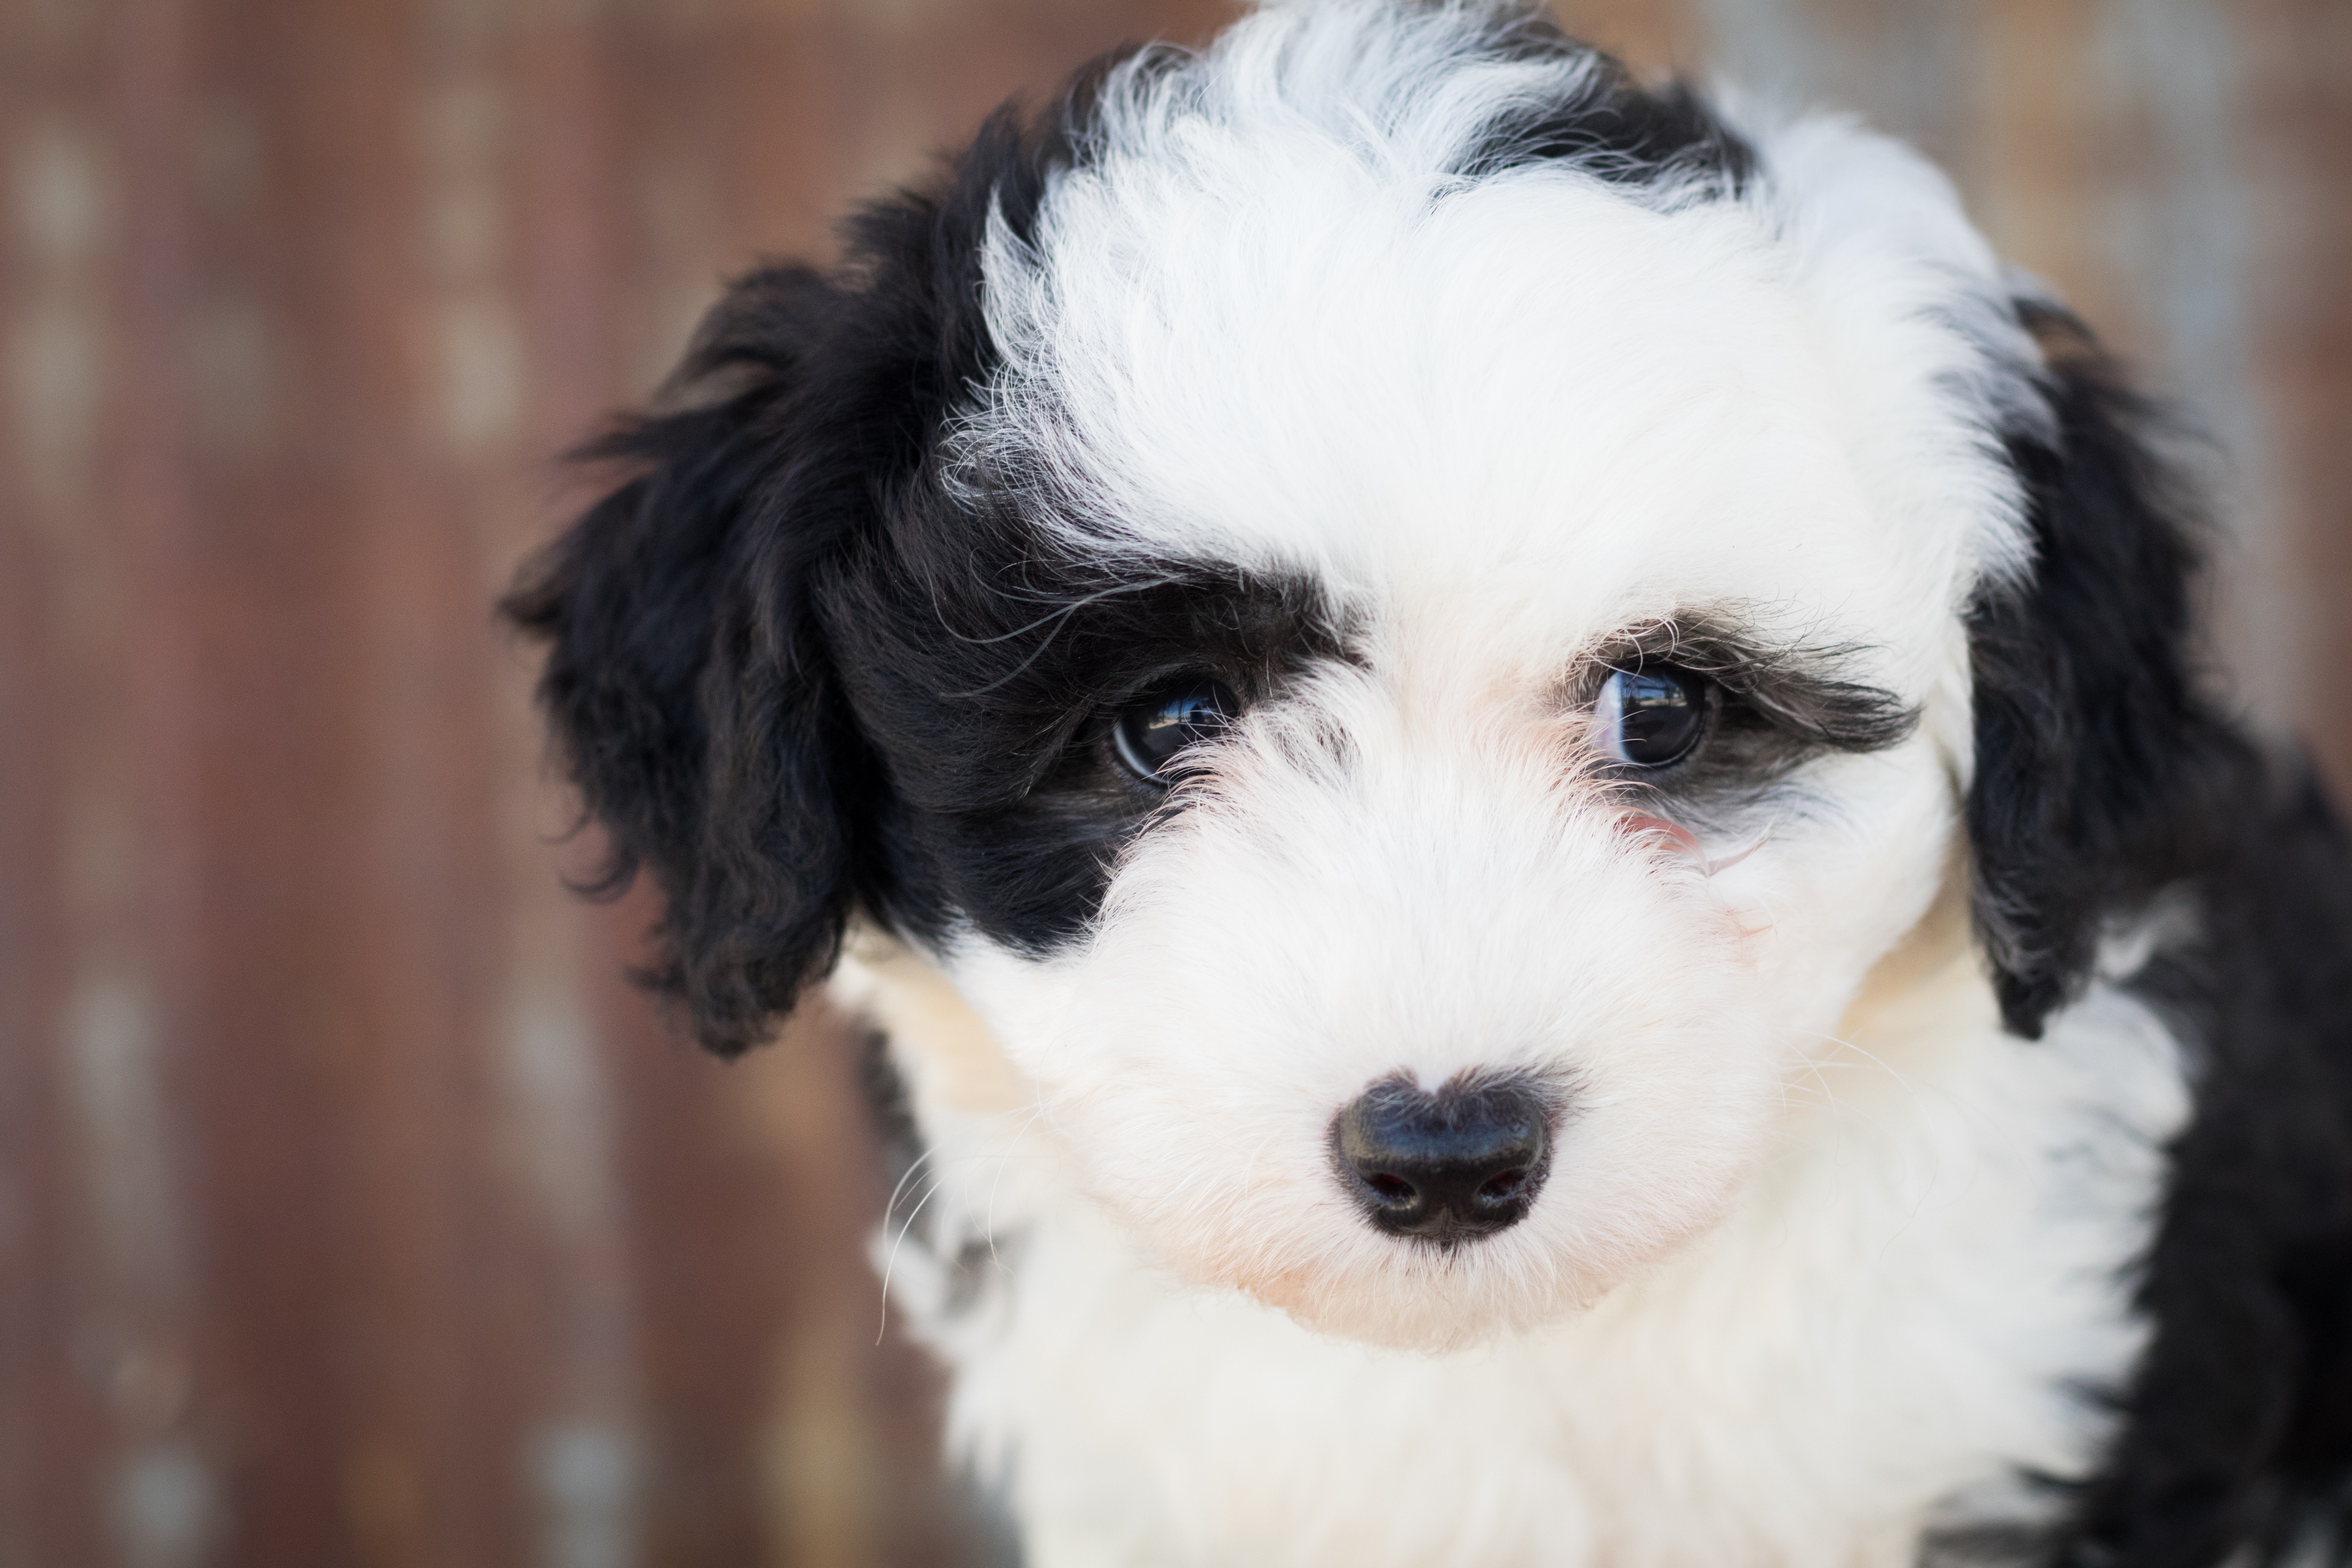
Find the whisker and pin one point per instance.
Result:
(1005, 1157)
(890, 1260)
(890, 1205)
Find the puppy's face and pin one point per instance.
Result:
(1489, 691)
(1403, 618)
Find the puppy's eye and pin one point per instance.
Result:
(1151, 730)
(1650, 717)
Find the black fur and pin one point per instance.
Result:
(2104, 779)
(2234, 1442)
(691, 681)
(2101, 770)
(1616, 128)
(2240, 1424)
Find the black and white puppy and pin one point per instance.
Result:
(1513, 767)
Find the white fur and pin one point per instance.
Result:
(1823, 1249)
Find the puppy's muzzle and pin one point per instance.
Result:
(1447, 1167)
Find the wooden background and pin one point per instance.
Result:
(351, 1209)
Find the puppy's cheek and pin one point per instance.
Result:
(1218, 1025)
(1826, 900)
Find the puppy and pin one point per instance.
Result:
(1512, 769)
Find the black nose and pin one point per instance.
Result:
(1465, 1161)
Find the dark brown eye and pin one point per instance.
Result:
(1154, 730)
(1650, 717)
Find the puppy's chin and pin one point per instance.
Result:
(1421, 1316)
(1404, 1295)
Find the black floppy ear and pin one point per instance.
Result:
(2100, 769)
(700, 720)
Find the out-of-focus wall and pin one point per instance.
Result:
(352, 1208)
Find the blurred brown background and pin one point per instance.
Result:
(353, 1209)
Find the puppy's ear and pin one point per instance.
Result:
(690, 697)
(2100, 769)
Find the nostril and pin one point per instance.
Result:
(1465, 1161)
(1505, 1186)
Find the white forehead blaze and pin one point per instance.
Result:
(1263, 323)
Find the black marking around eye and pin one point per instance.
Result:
(1778, 707)
(988, 666)
(1803, 689)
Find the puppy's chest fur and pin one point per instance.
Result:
(1917, 1301)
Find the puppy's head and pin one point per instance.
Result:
(1407, 619)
